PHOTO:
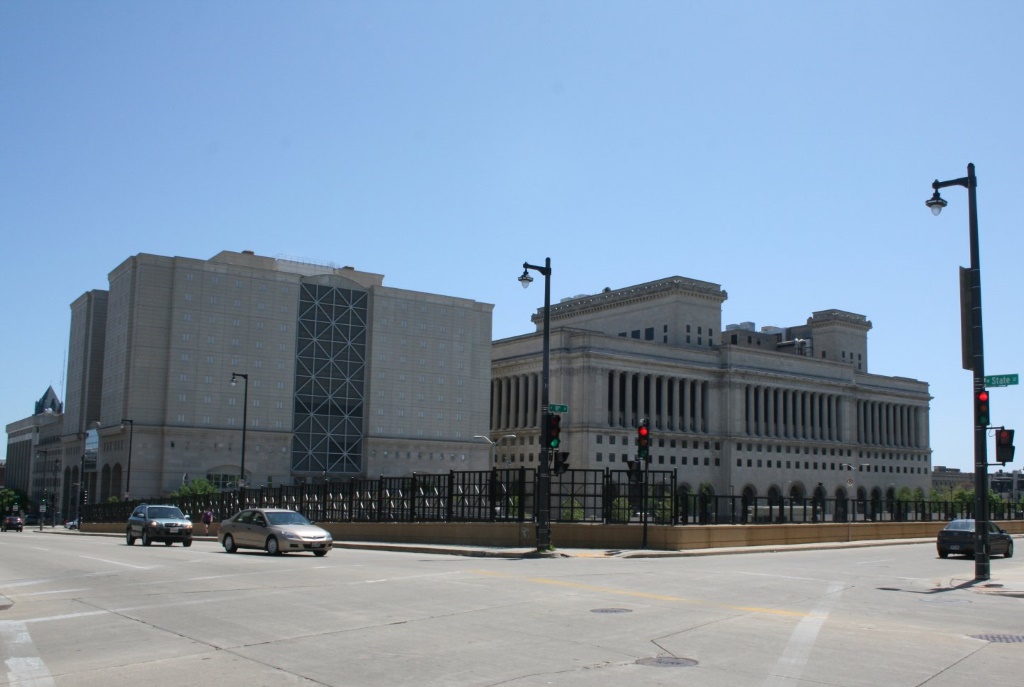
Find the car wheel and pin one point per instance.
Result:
(1009, 550)
(319, 554)
(943, 554)
(146, 541)
(167, 543)
(128, 538)
(273, 548)
(187, 543)
(229, 544)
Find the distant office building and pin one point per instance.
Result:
(945, 481)
(33, 461)
(330, 373)
(1009, 485)
(787, 411)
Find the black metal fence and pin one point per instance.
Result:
(508, 495)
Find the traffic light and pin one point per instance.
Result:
(554, 429)
(561, 462)
(643, 440)
(636, 474)
(1004, 445)
(981, 413)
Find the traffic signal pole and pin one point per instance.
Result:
(543, 496)
(982, 569)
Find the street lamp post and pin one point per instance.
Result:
(131, 437)
(544, 468)
(494, 444)
(245, 416)
(852, 483)
(936, 203)
(54, 499)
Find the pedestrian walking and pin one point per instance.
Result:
(207, 519)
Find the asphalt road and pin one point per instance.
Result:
(83, 610)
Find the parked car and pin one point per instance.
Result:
(71, 524)
(275, 530)
(958, 537)
(31, 520)
(151, 523)
(13, 522)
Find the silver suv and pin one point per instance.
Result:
(158, 523)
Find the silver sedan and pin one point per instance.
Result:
(274, 530)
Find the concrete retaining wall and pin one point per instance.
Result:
(586, 536)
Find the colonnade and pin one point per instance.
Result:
(515, 402)
(889, 424)
(792, 414)
(669, 403)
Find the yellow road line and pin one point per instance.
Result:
(644, 595)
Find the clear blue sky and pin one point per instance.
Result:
(781, 149)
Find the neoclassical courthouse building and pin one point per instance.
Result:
(336, 375)
(782, 411)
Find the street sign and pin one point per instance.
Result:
(556, 408)
(1001, 380)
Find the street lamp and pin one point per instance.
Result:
(245, 415)
(53, 494)
(131, 437)
(544, 469)
(494, 444)
(936, 203)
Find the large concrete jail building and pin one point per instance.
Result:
(782, 411)
(336, 376)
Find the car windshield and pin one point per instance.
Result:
(287, 518)
(165, 512)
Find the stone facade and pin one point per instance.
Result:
(344, 376)
(784, 411)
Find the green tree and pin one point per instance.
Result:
(621, 510)
(197, 487)
(572, 510)
(10, 497)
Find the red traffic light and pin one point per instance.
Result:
(642, 431)
(982, 396)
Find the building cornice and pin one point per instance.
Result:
(662, 288)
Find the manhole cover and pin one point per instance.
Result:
(666, 662)
(611, 610)
(1003, 639)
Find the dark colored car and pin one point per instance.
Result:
(958, 537)
(32, 520)
(165, 524)
(275, 530)
(13, 522)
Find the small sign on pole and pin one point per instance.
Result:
(1001, 380)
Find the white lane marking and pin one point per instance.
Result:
(127, 565)
(21, 662)
(58, 591)
(791, 664)
(880, 560)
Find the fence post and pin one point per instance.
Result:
(449, 506)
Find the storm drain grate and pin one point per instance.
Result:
(666, 662)
(1003, 639)
(611, 610)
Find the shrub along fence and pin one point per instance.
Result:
(508, 495)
